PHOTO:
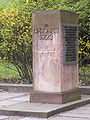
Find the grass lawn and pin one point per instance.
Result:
(8, 71)
(84, 75)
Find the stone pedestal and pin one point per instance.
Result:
(55, 57)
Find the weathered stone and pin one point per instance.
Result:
(55, 97)
(55, 67)
(39, 109)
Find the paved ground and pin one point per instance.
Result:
(9, 98)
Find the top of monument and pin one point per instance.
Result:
(51, 11)
(53, 17)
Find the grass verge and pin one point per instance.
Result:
(8, 70)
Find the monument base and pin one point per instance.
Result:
(55, 98)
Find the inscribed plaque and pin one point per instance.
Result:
(70, 43)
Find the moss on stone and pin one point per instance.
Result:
(72, 98)
(73, 89)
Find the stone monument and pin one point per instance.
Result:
(55, 57)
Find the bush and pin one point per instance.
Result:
(16, 42)
(16, 31)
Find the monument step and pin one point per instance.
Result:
(55, 98)
(39, 109)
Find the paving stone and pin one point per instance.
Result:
(86, 116)
(13, 118)
(6, 103)
(8, 95)
(88, 105)
(21, 99)
(85, 96)
(67, 118)
(3, 117)
(28, 118)
(87, 108)
(80, 111)
(83, 109)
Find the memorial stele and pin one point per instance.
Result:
(55, 57)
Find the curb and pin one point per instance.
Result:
(85, 90)
(17, 87)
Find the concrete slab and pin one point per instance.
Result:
(10, 95)
(39, 109)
